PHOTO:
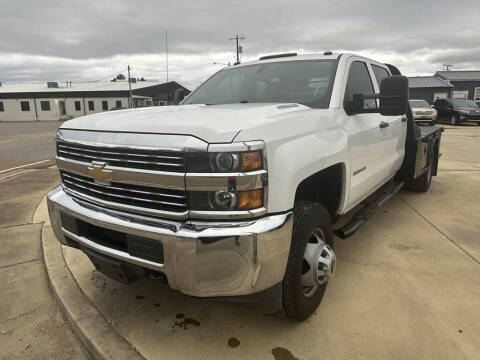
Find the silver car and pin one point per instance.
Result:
(423, 112)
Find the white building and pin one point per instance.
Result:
(63, 101)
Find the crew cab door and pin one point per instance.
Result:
(396, 131)
(370, 166)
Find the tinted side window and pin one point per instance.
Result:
(380, 73)
(359, 82)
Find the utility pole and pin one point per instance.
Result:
(238, 48)
(129, 88)
(447, 67)
(166, 50)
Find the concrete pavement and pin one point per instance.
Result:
(407, 287)
(31, 323)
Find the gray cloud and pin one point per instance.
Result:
(78, 40)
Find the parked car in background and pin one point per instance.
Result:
(457, 111)
(423, 112)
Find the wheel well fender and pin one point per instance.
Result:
(326, 187)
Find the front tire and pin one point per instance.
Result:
(453, 120)
(311, 262)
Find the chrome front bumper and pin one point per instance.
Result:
(222, 259)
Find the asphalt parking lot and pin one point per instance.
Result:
(407, 285)
(24, 143)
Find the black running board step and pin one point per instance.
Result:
(361, 217)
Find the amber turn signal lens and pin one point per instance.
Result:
(251, 161)
(250, 199)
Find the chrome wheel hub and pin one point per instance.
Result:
(318, 263)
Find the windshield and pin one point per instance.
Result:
(304, 82)
(418, 103)
(464, 103)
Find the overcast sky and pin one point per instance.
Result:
(93, 40)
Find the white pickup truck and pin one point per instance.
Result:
(238, 191)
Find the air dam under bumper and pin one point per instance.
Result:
(226, 259)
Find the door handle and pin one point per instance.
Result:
(384, 124)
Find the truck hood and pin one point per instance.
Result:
(211, 123)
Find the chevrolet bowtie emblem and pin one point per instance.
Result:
(99, 174)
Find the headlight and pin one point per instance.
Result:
(227, 177)
(225, 161)
(225, 200)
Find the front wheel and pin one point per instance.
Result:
(453, 120)
(311, 262)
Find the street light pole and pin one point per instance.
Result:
(166, 50)
(130, 105)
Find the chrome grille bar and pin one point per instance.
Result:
(158, 160)
(78, 178)
(137, 197)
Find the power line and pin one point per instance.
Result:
(238, 48)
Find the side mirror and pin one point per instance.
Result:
(178, 95)
(394, 95)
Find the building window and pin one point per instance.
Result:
(118, 103)
(104, 105)
(25, 105)
(45, 105)
(1, 106)
(91, 106)
(77, 106)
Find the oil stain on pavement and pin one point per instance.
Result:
(184, 322)
(280, 353)
(233, 342)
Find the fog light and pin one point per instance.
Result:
(224, 200)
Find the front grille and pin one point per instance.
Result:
(127, 194)
(158, 160)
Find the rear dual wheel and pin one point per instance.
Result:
(311, 261)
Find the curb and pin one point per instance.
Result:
(93, 330)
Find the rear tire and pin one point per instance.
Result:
(422, 183)
(310, 223)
